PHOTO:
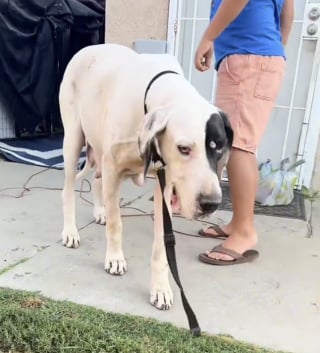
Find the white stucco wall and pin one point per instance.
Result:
(130, 20)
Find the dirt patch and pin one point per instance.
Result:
(33, 303)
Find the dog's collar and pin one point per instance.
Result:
(156, 159)
(150, 84)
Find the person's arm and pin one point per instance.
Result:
(286, 20)
(227, 12)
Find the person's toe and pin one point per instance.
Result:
(218, 256)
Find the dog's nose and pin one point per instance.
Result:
(208, 204)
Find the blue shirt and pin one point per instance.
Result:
(255, 31)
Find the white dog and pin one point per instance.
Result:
(102, 99)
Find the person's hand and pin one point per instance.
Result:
(204, 53)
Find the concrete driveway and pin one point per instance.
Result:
(273, 302)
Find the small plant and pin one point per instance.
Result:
(311, 196)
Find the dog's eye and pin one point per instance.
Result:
(217, 149)
(185, 150)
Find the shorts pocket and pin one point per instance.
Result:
(268, 83)
(232, 68)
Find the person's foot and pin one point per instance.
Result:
(237, 241)
(216, 231)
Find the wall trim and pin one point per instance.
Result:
(172, 25)
(313, 127)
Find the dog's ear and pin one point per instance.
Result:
(153, 124)
(227, 127)
(229, 133)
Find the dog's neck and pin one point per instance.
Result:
(172, 87)
(152, 81)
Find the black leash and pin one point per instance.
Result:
(169, 238)
(169, 241)
(150, 84)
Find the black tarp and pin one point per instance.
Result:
(37, 39)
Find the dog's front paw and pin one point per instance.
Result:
(71, 238)
(161, 296)
(116, 266)
(99, 215)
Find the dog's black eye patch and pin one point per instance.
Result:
(227, 128)
(216, 139)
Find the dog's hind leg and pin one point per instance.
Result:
(161, 295)
(99, 212)
(72, 144)
(115, 262)
(94, 159)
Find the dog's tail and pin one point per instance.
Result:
(88, 164)
(84, 171)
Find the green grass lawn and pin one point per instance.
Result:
(32, 323)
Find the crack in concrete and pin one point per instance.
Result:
(23, 260)
(10, 267)
(131, 201)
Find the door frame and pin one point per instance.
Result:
(172, 26)
(308, 146)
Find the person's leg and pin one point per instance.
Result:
(245, 93)
(243, 180)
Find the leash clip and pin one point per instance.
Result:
(158, 165)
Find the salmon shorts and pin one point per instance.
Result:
(247, 88)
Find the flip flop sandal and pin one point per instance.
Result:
(247, 256)
(220, 234)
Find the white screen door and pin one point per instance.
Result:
(292, 126)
